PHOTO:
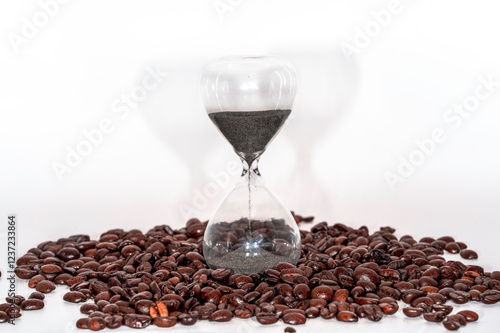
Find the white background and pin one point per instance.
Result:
(353, 120)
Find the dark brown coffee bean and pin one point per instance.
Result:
(412, 312)
(165, 321)
(74, 297)
(447, 309)
(290, 330)
(137, 320)
(389, 308)
(468, 254)
(45, 286)
(88, 308)
(322, 292)
(452, 247)
(301, 291)
(83, 323)
(294, 318)
(113, 321)
(459, 319)
(37, 295)
(435, 317)
(221, 316)
(450, 324)
(97, 324)
(341, 295)
(32, 304)
(469, 315)
(490, 296)
(347, 316)
(220, 274)
(312, 312)
(459, 297)
(266, 318)
(188, 319)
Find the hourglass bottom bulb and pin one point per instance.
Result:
(248, 247)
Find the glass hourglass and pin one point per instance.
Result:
(249, 99)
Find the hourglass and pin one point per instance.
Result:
(249, 99)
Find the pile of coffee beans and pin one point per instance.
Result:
(160, 278)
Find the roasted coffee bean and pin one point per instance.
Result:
(412, 312)
(468, 254)
(459, 319)
(220, 274)
(45, 286)
(37, 295)
(221, 316)
(113, 321)
(347, 316)
(302, 291)
(137, 320)
(447, 309)
(435, 317)
(459, 297)
(74, 297)
(322, 292)
(97, 324)
(469, 315)
(267, 318)
(450, 324)
(4, 317)
(290, 330)
(165, 321)
(83, 323)
(32, 304)
(88, 308)
(294, 318)
(188, 319)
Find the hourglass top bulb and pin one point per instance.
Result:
(249, 100)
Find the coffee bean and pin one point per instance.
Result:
(450, 324)
(83, 323)
(221, 316)
(290, 330)
(459, 297)
(32, 304)
(412, 312)
(189, 319)
(347, 316)
(469, 315)
(266, 318)
(137, 320)
(113, 321)
(435, 317)
(88, 308)
(45, 286)
(37, 295)
(165, 321)
(322, 292)
(459, 319)
(4, 317)
(74, 297)
(294, 318)
(468, 254)
(97, 324)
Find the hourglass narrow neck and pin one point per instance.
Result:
(253, 168)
